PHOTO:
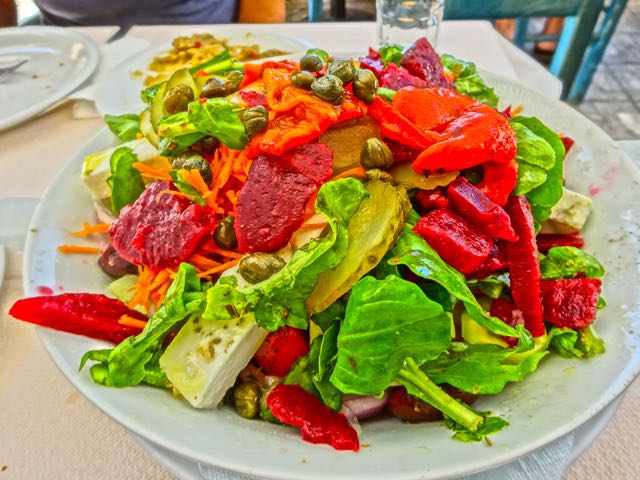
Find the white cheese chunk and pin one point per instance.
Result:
(204, 359)
(572, 210)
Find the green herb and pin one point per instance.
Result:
(580, 343)
(126, 127)
(468, 81)
(535, 158)
(386, 93)
(391, 53)
(135, 360)
(567, 262)
(125, 181)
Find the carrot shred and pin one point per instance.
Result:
(308, 226)
(219, 268)
(352, 172)
(77, 249)
(516, 110)
(151, 172)
(128, 321)
(226, 253)
(88, 229)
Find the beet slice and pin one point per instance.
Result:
(422, 61)
(313, 160)
(160, 231)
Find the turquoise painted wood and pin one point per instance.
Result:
(608, 25)
(492, 9)
(315, 10)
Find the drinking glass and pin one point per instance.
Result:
(403, 21)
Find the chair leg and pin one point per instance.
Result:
(338, 9)
(596, 52)
(520, 37)
(315, 10)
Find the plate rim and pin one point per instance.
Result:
(628, 374)
(93, 60)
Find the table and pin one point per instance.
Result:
(49, 427)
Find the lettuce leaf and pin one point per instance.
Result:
(125, 181)
(468, 81)
(135, 360)
(126, 127)
(567, 262)
(535, 158)
(480, 369)
(581, 343)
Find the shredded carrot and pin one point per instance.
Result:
(201, 262)
(219, 268)
(193, 178)
(78, 249)
(173, 192)
(157, 173)
(352, 172)
(226, 253)
(88, 229)
(151, 287)
(308, 226)
(128, 321)
(516, 110)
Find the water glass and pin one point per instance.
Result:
(404, 21)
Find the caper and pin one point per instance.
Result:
(302, 79)
(375, 154)
(377, 174)
(190, 160)
(342, 68)
(365, 85)
(329, 88)
(225, 234)
(207, 144)
(233, 80)
(257, 267)
(255, 120)
(177, 99)
(311, 63)
(214, 88)
(246, 399)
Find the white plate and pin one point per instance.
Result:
(60, 60)
(559, 397)
(118, 91)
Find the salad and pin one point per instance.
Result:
(315, 242)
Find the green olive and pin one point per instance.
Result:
(214, 88)
(233, 79)
(329, 88)
(225, 234)
(303, 79)
(190, 160)
(365, 85)
(246, 399)
(257, 267)
(342, 68)
(376, 174)
(311, 63)
(375, 154)
(255, 120)
(177, 99)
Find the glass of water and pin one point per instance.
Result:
(404, 21)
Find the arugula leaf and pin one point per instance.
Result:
(172, 146)
(535, 158)
(480, 369)
(581, 343)
(216, 118)
(391, 53)
(126, 127)
(567, 262)
(185, 187)
(468, 81)
(545, 196)
(411, 250)
(135, 360)
(125, 181)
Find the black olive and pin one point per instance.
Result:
(114, 265)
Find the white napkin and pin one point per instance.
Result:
(112, 54)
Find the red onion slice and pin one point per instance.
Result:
(364, 406)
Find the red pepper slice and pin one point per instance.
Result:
(546, 241)
(318, 424)
(499, 181)
(571, 303)
(475, 207)
(431, 200)
(281, 350)
(509, 314)
(430, 108)
(89, 314)
(461, 245)
(524, 268)
(495, 262)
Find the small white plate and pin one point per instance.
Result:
(59, 61)
(118, 91)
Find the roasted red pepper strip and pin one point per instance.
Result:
(509, 314)
(394, 125)
(571, 303)
(318, 424)
(89, 314)
(431, 200)
(281, 350)
(546, 241)
(254, 71)
(499, 180)
(474, 206)
(461, 245)
(524, 268)
(430, 108)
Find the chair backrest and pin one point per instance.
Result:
(491, 9)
